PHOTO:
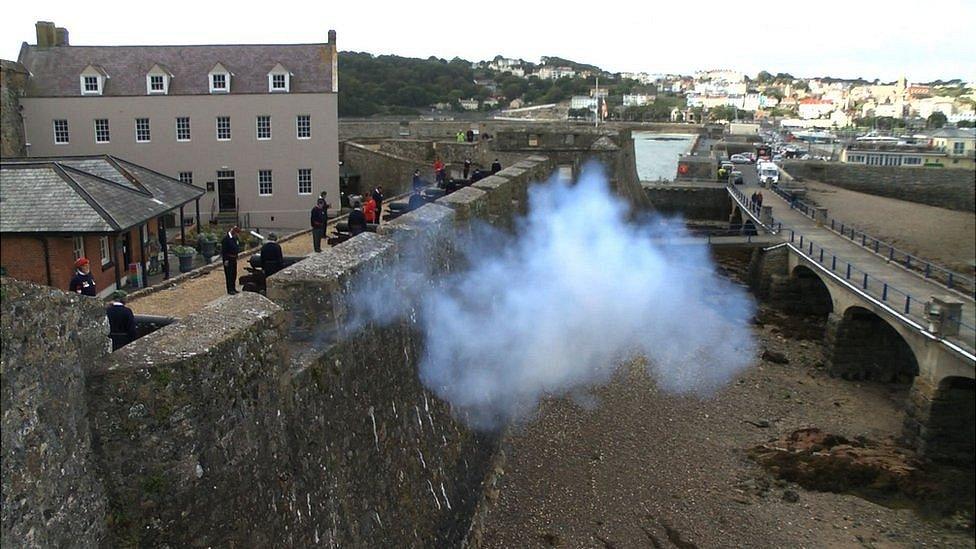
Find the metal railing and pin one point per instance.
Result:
(903, 302)
(946, 277)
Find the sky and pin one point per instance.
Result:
(842, 38)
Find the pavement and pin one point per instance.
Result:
(880, 270)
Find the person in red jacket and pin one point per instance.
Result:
(369, 210)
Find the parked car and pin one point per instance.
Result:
(739, 159)
(736, 177)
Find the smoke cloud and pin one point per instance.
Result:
(558, 308)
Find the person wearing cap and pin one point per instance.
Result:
(496, 166)
(272, 260)
(318, 220)
(357, 219)
(121, 321)
(83, 282)
(230, 246)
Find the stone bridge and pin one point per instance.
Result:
(878, 325)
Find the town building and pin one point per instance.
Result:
(637, 100)
(582, 102)
(959, 146)
(546, 72)
(56, 210)
(254, 125)
(469, 104)
(811, 108)
(892, 155)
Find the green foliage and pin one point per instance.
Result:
(966, 124)
(182, 251)
(936, 120)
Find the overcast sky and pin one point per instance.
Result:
(922, 40)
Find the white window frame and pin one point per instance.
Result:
(959, 147)
(269, 182)
(229, 134)
(308, 172)
(189, 134)
(213, 81)
(147, 129)
(108, 131)
(298, 126)
(65, 132)
(78, 245)
(911, 161)
(163, 81)
(257, 127)
(105, 249)
(271, 84)
(84, 84)
(186, 177)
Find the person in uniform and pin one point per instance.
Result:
(496, 166)
(230, 246)
(357, 219)
(121, 321)
(272, 260)
(318, 220)
(83, 282)
(377, 196)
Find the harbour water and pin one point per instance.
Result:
(657, 154)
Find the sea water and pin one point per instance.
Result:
(657, 154)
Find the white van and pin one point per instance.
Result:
(768, 172)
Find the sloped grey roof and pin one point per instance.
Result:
(956, 133)
(84, 194)
(55, 70)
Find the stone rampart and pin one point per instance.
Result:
(281, 421)
(52, 495)
(705, 203)
(943, 187)
(394, 173)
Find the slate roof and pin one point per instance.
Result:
(94, 194)
(55, 70)
(956, 133)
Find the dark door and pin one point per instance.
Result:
(226, 195)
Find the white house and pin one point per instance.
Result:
(811, 108)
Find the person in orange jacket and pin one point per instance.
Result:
(369, 210)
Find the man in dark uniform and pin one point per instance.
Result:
(230, 246)
(467, 168)
(272, 259)
(496, 166)
(121, 321)
(318, 220)
(83, 282)
(357, 219)
(378, 197)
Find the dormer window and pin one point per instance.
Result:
(279, 79)
(157, 80)
(92, 81)
(219, 79)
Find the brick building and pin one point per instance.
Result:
(55, 210)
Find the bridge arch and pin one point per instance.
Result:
(865, 346)
(812, 294)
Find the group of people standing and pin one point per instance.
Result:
(121, 320)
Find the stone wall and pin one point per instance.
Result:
(13, 82)
(52, 495)
(698, 203)
(286, 421)
(394, 173)
(417, 149)
(946, 188)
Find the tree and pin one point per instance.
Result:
(936, 120)
(764, 77)
(965, 124)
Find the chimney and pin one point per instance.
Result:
(61, 36)
(45, 34)
(335, 61)
(332, 38)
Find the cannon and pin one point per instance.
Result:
(256, 280)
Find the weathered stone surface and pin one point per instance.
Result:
(468, 204)
(189, 434)
(500, 197)
(52, 496)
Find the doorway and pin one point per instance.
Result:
(226, 193)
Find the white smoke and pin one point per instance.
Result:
(581, 290)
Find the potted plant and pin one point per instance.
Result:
(185, 254)
(208, 245)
